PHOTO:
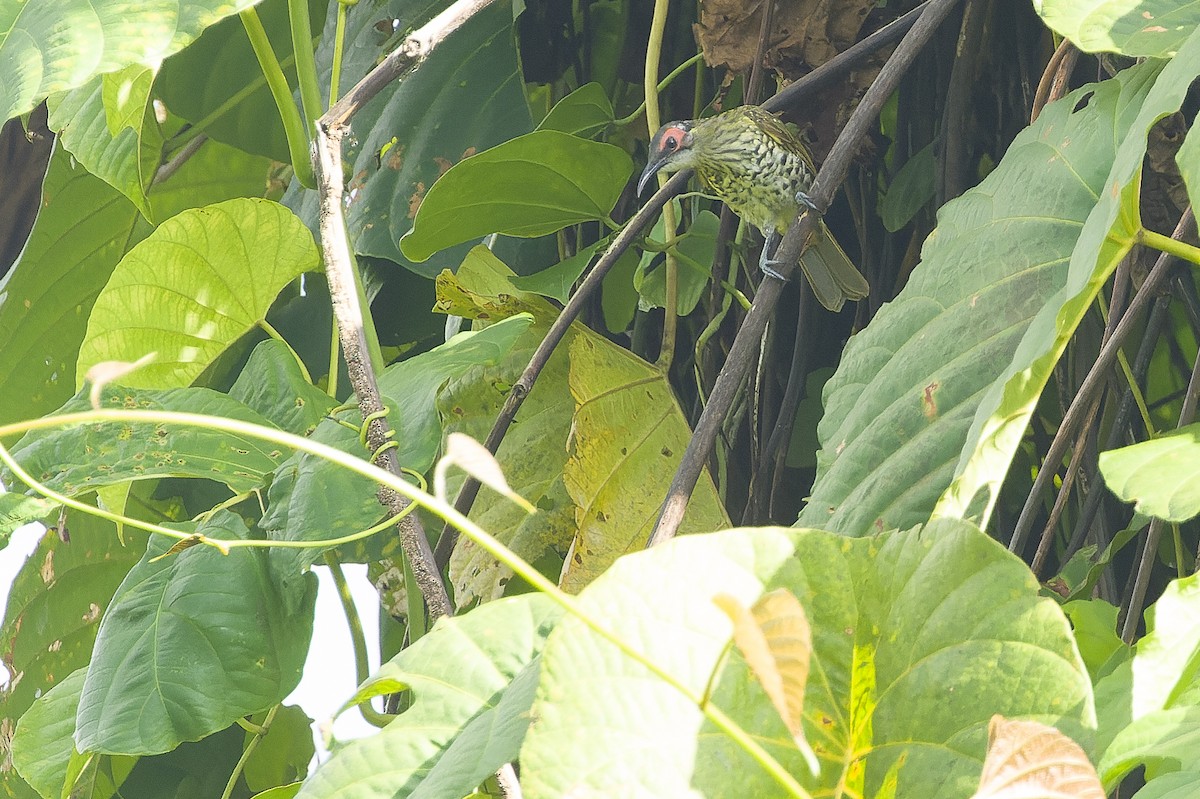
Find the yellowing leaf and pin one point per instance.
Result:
(1030, 760)
(775, 639)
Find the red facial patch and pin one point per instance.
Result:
(670, 139)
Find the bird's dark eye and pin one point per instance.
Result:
(670, 143)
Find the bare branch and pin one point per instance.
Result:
(339, 271)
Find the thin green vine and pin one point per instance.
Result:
(417, 497)
(249, 750)
(658, 27)
(362, 666)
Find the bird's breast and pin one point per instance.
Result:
(758, 180)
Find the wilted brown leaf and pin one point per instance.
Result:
(776, 641)
(1030, 760)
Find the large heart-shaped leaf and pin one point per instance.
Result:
(1110, 230)
(899, 408)
(199, 282)
(193, 642)
(902, 683)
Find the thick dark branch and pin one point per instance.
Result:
(830, 176)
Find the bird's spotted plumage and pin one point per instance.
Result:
(751, 161)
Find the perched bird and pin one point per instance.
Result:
(750, 160)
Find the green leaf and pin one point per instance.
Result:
(584, 112)
(910, 384)
(53, 612)
(117, 137)
(1179, 785)
(82, 231)
(1095, 624)
(910, 189)
(77, 459)
(899, 675)
(311, 499)
(416, 128)
(1159, 475)
(272, 384)
(533, 454)
(1108, 233)
(627, 439)
(44, 745)
(556, 281)
(283, 754)
(193, 642)
(1167, 662)
(1155, 28)
(1155, 713)
(694, 251)
(533, 185)
(199, 282)
(18, 510)
(497, 641)
(1164, 741)
(1188, 160)
(217, 81)
(51, 47)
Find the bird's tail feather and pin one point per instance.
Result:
(830, 272)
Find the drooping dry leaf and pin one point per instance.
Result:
(1030, 760)
(105, 372)
(473, 458)
(776, 641)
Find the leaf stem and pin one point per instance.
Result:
(339, 44)
(293, 125)
(482, 539)
(658, 27)
(362, 666)
(306, 65)
(273, 333)
(1169, 245)
(249, 750)
(662, 86)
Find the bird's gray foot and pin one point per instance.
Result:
(766, 263)
(803, 198)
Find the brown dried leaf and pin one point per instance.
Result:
(1030, 760)
(775, 639)
(813, 31)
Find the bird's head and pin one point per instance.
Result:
(670, 151)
